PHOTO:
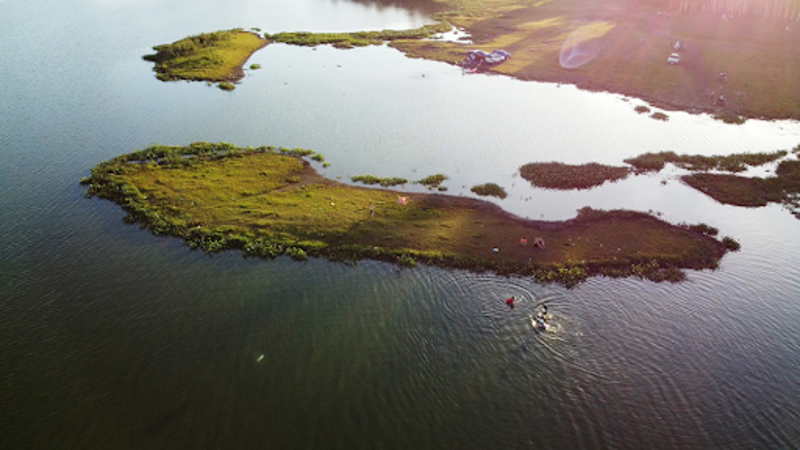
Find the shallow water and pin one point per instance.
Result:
(111, 337)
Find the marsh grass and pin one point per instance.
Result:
(385, 182)
(641, 109)
(432, 181)
(489, 190)
(738, 162)
(360, 38)
(269, 202)
(554, 175)
(751, 191)
(659, 116)
(217, 56)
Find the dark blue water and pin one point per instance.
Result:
(113, 338)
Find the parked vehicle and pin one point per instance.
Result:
(674, 58)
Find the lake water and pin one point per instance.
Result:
(113, 338)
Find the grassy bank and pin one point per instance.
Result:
(267, 202)
(217, 57)
(622, 46)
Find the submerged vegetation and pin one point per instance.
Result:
(268, 202)
(217, 57)
(489, 190)
(555, 175)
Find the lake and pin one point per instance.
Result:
(113, 338)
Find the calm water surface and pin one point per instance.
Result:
(112, 338)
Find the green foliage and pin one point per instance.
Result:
(489, 189)
(385, 182)
(555, 175)
(432, 181)
(255, 66)
(226, 86)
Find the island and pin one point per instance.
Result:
(269, 202)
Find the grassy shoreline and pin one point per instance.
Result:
(269, 202)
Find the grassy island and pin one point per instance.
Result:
(216, 57)
(268, 202)
(554, 175)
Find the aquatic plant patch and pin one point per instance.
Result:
(554, 175)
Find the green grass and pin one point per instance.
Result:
(489, 190)
(217, 56)
(226, 86)
(268, 203)
(555, 175)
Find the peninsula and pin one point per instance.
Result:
(269, 202)
(735, 59)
